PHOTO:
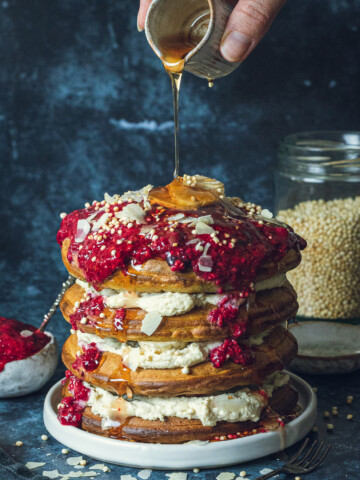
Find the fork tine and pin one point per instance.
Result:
(311, 449)
(298, 453)
(320, 460)
(306, 464)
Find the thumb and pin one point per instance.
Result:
(144, 6)
(248, 23)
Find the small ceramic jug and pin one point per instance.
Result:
(165, 17)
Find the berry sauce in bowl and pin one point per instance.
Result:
(28, 358)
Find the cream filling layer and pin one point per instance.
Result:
(168, 304)
(240, 406)
(160, 355)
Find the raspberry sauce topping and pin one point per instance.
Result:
(19, 341)
(225, 242)
(71, 408)
(230, 350)
(119, 319)
(90, 308)
(226, 314)
(89, 360)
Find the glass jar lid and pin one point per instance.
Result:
(321, 155)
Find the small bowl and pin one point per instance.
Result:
(326, 347)
(21, 377)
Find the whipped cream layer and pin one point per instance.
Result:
(168, 304)
(240, 406)
(160, 355)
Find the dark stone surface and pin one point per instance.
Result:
(85, 107)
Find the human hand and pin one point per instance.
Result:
(247, 25)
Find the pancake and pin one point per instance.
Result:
(155, 275)
(179, 430)
(270, 308)
(278, 349)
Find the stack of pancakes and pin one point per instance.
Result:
(166, 347)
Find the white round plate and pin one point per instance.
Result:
(326, 347)
(184, 456)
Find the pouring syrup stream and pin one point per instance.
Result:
(173, 51)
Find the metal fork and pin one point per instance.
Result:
(306, 464)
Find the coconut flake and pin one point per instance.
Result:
(110, 199)
(206, 248)
(82, 229)
(51, 473)
(26, 333)
(99, 223)
(207, 219)
(265, 471)
(74, 460)
(145, 229)
(93, 215)
(201, 228)
(266, 213)
(209, 184)
(205, 263)
(177, 476)
(193, 241)
(188, 220)
(144, 474)
(175, 218)
(137, 195)
(226, 476)
(132, 359)
(32, 465)
(132, 212)
(151, 322)
(97, 466)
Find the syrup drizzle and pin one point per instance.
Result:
(175, 83)
(173, 50)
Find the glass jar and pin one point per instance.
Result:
(318, 193)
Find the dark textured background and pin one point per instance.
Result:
(85, 107)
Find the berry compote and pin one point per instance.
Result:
(19, 341)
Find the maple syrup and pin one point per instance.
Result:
(173, 49)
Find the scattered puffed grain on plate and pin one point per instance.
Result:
(44, 437)
(64, 451)
(349, 416)
(349, 399)
(330, 426)
(83, 462)
(326, 414)
(243, 474)
(19, 443)
(106, 469)
(196, 470)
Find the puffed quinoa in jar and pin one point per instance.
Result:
(318, 194)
